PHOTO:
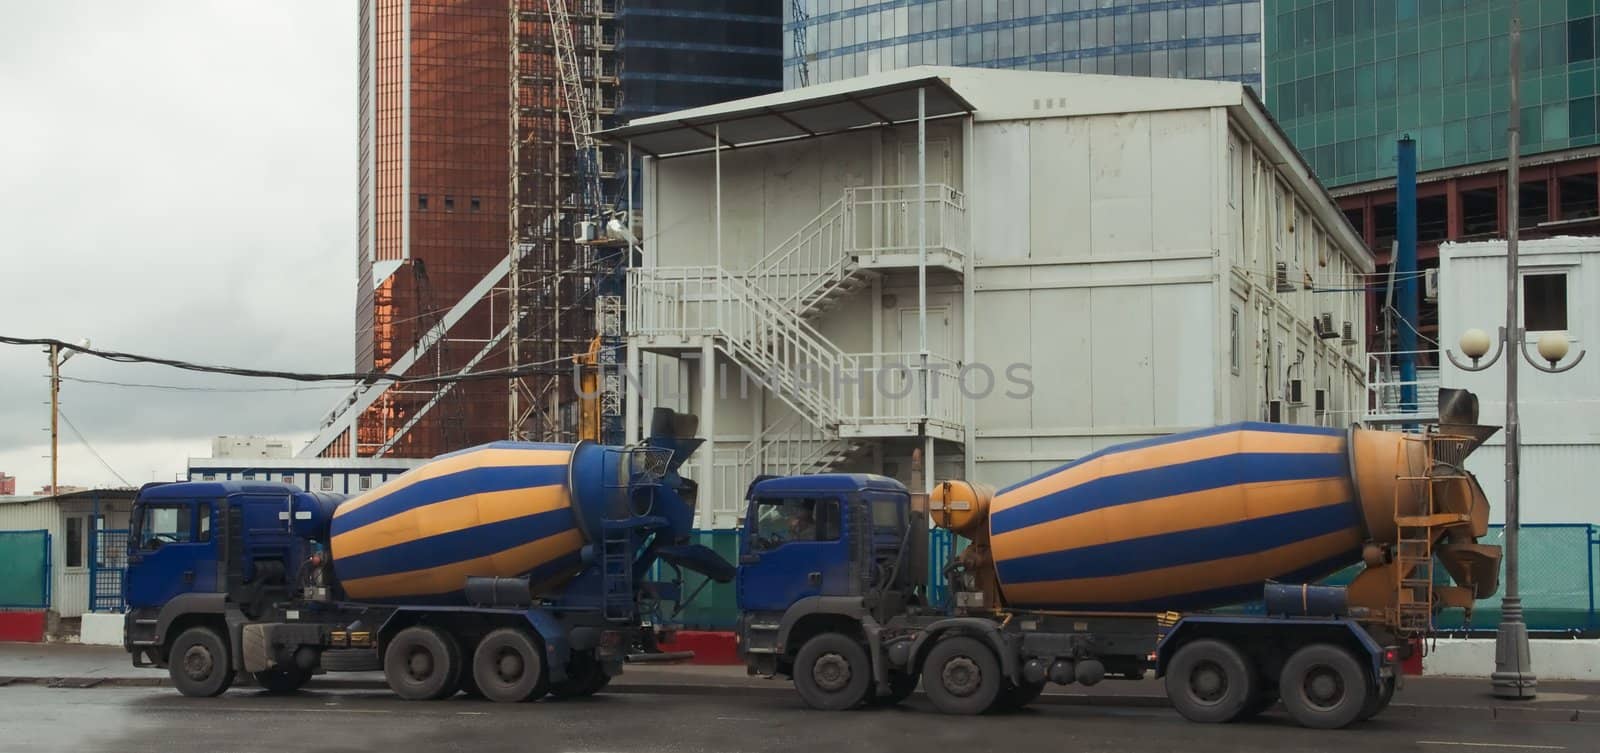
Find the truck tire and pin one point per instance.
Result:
(422, 664)
(832, 672)
(1211, 682)
(585, 677)
(351, 660)
(962, 676)
(281, 680)
(508, 666)
(1379, 701)
(1324, 687)
(200, 664)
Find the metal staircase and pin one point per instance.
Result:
(762, 319)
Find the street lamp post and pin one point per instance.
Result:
(1513, 668)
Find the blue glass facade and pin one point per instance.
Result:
(677, 54)
(829, 40)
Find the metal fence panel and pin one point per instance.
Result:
(25, 569)
(108, 562)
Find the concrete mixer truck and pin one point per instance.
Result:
(509, 570)
(1103, 568)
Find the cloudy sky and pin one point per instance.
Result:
(177, 178)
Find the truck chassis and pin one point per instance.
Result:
(1329, 672)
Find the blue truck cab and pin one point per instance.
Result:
(182, 533)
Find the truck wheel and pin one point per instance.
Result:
(1324, 687)
(422, 664)
(585, 677)
(1210, 682)
(962, 676)
(1379, 701)
(199, 663)
(832, 672)
(282, 680)
(901, 686)
(509, 666)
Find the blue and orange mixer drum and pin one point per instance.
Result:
(1192, 520)
(504, 509)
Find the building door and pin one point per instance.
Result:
(900, 220)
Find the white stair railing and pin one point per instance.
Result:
(774, 344)
(815, 249)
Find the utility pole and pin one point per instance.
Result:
(55, 402)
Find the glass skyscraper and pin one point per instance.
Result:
(1346, 78)
(829, 40)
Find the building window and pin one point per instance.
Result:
(1544, 302)
(422, 201)
(364, 483)
(249, 476)
(449, 203)
(327, 483)
(75, 541)
(208, 476)
(476, 204)
(1233, 340)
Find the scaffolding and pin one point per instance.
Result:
(563, 70)
(513, 291)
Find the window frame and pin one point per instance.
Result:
(1565, 273)
(75, 523)
(821, 534)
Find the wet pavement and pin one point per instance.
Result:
(134, 720)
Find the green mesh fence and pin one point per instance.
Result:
(25, 569)
(1559, 574)
(716, 605)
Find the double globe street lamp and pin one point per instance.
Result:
(1513, 668)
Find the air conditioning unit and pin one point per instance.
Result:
(1275, 411)
(1320, 400)
(1349, 333)
(588, 231)
(1282, 278)
(1430, 285)
(1325, 328)
(1297, 392)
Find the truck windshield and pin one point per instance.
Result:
(782, 520)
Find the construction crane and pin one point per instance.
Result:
(575, 102)
(802, 74)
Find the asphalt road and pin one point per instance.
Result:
(133, 720)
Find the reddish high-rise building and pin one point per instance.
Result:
(442, 150)
(8, 484)
(433, 183)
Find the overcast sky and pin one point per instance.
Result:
(177, 178)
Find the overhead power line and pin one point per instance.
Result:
(90, 448)
(297, 376)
